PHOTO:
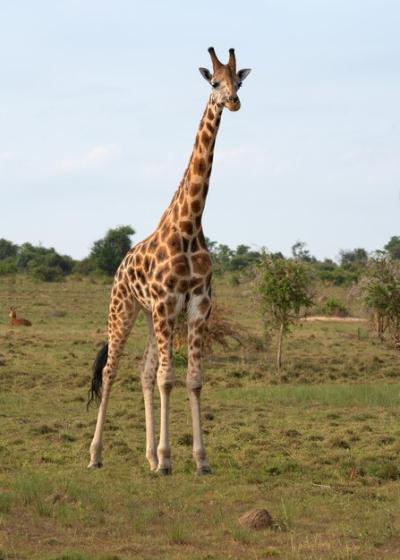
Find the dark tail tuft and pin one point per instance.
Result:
(97, 379)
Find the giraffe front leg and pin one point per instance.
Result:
(199, 310)
(165, 380)
(148, 377)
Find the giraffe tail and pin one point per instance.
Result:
(97, 378)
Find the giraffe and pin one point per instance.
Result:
(166, 273)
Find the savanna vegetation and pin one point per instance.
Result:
(316, 444)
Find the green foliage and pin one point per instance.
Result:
(285, 289)
(42, 263)
(393, 247)
(381, 288)
(226, 259)
(354, 261)
(8, 266)
(334, 308)
(7, 249)
(301, 253)
(107, 253)
(37, 261)
(331, 273)
(357, 256)
(86, 266)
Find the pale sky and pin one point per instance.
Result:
(100, 102)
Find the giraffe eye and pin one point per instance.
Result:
(215, 84)
(239, 85)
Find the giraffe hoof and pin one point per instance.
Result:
(95, 465)
(164, 471)
(204, 470)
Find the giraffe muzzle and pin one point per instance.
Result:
(233, 103)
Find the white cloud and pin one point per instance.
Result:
(96, 157)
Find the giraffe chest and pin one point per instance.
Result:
(156, 275)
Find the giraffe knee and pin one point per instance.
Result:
(165, 385)
(165, 380)
(147, 381)
(194, 382)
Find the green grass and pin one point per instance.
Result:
(318, 446)
(365, 395)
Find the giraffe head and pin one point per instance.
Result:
(225, 80)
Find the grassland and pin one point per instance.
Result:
(318, 446)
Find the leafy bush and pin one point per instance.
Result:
(42, 263)
(334, 308)
(331, 273)
(393, 247)
(8, 266)
(46, 273)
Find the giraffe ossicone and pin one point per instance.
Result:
(166, 273)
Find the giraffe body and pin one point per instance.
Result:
(168, 272)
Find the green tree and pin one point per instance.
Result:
(301, 253)
(243, 257)
(7, 249)
(354, 259)
(107, 253)
(381, 289)
(393, 247)
(285, 288)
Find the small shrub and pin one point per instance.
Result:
(8, 266)
(46, 273)
(334, 308)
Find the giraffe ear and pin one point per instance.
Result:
(206, 74)
(242, 74)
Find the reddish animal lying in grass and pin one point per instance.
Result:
(17, 322)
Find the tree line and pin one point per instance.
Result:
(46, 264)
(106, 254)
(285, 285)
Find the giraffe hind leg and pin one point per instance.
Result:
(120, 325)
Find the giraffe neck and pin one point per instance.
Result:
(187, 206)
